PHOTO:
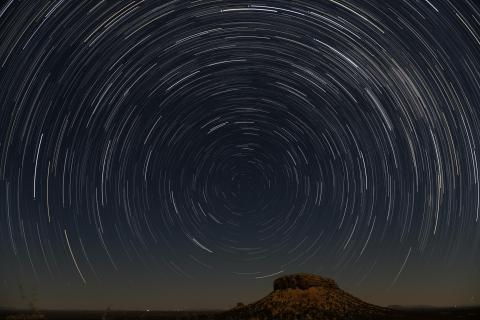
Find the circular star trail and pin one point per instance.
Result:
(243, 138)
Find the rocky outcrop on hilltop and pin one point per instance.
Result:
(303, 281)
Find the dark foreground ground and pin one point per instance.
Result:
(469, 313)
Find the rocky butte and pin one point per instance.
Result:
(306, 296)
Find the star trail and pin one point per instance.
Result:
(149, 146)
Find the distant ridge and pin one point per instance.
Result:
(420, 306)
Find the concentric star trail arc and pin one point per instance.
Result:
(238, 140)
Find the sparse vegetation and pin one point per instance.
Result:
(30, 304)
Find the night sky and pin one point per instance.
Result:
(183, 154)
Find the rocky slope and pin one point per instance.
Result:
(306, 296)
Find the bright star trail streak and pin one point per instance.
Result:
(153, 147)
